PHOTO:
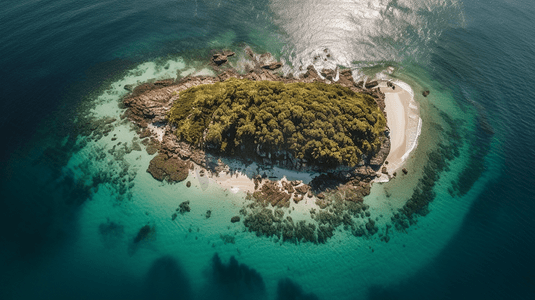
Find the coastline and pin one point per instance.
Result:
(275, 186)
(404, 123)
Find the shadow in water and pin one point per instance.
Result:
(38, 209)
(289, 290)
(166, 280)
(111, 233)
(234, 281)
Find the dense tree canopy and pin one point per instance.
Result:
(322, 123)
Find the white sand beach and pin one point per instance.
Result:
(233, 182)
(404, 123)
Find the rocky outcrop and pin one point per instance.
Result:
(342, 206)
(328, 74)
(272, 66)
(265, 222)
(302, 189)
(221, 57)
(345, 78)
(379, 158)
(371, 84)
(162, 167)
(271, 193)
(150, 102)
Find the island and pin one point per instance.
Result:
(323, 124)
(295, 125)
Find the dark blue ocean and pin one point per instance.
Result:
(70, 208)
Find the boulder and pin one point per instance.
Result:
(371, 84)
(311, 74)
(272, 66)
(425, 93)
(328, 74)
(235, 219)
(302, 189)
(345, 78)
(219, 59)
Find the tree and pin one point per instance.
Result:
(325, 124)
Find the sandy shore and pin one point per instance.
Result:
(233, 182)
(239, 182)
(404, 123)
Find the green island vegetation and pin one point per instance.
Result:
(323, 124)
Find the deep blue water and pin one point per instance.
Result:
(55, 55)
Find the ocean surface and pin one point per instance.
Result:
(72, 202)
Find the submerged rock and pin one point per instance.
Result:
(184, 207)
(144, 233)
(370, 226)
(227, 239)
(111, 228)
(271, 193)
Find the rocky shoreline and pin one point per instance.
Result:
(338, 193)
